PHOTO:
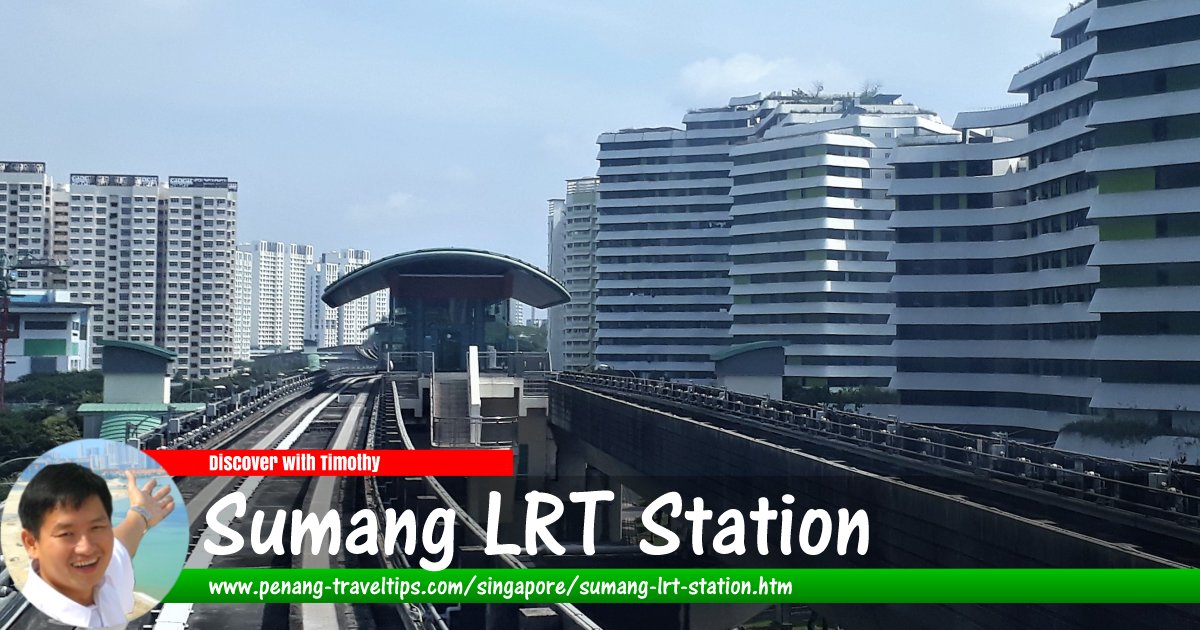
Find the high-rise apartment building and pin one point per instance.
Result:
(27, 232)
(809, 239)
(346, 324)
(243, 278)
(197, 230)
(153, 261)
(806, 259)
(993, 240)
(114, 254)
(1147, 165)
(662, 251)
(278, 291)
(572, 261)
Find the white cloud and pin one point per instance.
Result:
(397, 204)
(745, 73)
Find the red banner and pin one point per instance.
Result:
(438, 463)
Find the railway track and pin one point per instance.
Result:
(303, 421)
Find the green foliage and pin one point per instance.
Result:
(21, 438)
(63, 388)
(843, 398)
(61, 429)
(1116, 431)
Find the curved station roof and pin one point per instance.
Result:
(457, 271)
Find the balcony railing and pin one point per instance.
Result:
(489, 432)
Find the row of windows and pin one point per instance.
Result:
(807, 235)
(1036, 402)
(813, 213)
(665, 159)
(662, 177)
(811, 318)
(1159, 33)
(811, 193)
(660, 325)
(665, 225)
(661, 144)
(1146, 83)
(808, 276)
(1075, 109)
(663, 275)
(976, 365)
(1062, 150)
(1150, 324)
(657, 291)
(1156, 130)
(740, 123)
(665, 209)
(653, 341)
(662, 308)
(799, 152)
(922, 170)
(1169, 275)
(812, 171)
(999, 332)
(995, 233)
(840, 361)
(808, 298)
(1067, 76)
(676, 241)
(652, 358)
(1175, 373)
(1064, 258)
(663, 192)
(822, 340)
(998, 299)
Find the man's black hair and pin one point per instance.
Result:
(60, 485)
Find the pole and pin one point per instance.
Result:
(3, 331)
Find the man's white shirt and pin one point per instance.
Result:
(114, 596)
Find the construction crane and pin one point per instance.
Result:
(9, 265)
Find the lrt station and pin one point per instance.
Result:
(431, 376)
(936, 498)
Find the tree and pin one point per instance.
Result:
(61, 429)
(871, 88)
(817, 87)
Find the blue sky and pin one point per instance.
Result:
(393, 126)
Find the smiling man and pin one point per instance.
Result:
(82, 569)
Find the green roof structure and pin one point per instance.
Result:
(150, 349)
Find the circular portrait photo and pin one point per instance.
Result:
(94, 533)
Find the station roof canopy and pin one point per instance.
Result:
(137, 346)
(506, 277)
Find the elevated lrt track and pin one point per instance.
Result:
(1154, 509)
(387, 431)
(299, 418)
(313, 425)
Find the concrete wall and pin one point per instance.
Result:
(909, 526)
(769, 386)
(136, 388)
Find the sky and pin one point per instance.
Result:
(393, 126)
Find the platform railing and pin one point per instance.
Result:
(1167, 491)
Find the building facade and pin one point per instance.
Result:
(47, 333)
(761, 220)
(243, 278)
(195, 293)
(26, 194)
(1147, 164)
(348, 323)
(572, 261)
(809, 239)
(993, 239)
(154, 261)
(278, 295)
